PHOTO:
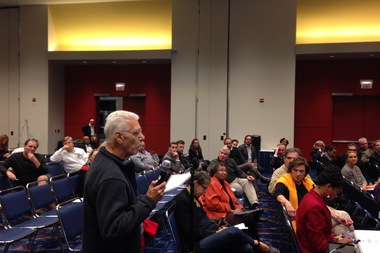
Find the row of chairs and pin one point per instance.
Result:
(363, 201)
(22, 209)
(143, 182)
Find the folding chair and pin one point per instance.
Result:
(11, 235)
(142, 184)
(73, 178)
(70, 216)
(62, 189)
(55, 169)
(41, 198)
(151, 176)
(17, 211)
(174, 228)
(289, 225)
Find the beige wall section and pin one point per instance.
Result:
(261, 65)
(9, 74)
(184, 71)
(56, 109)
(34, 69)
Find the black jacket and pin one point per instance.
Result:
(112, 211)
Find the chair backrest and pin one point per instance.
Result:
(73, 178)
(15, 203)
(62, 188)
(174, 229)
(40, 195)
(288, 223)
(55, 169)
(70, 216)
(142, 184)
(151, 176)
(4, 182)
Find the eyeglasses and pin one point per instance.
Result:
(204, 187)
(134, 133)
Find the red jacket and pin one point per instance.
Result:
(216, 201)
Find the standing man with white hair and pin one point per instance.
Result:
(113, 213)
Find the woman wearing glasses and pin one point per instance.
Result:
(207, 236)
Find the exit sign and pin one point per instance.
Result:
(366, 84)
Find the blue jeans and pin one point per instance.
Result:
(230, 239)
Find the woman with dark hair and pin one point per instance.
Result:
(195, 151)
(292, 186)
(313, 216)
(4, 151)
(196, 156)
(220, 203)
(207, 236)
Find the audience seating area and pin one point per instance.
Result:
(61, 227)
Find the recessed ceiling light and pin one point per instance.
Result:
(84, 62)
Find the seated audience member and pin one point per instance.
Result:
(173, 157)
(285, 142)
(290, 155)
(27, 166)
(235, 143)
(247, 167)
(374, 171)
(86, 145)
(278, 157)
(351, 172)
(249, 152)
(239, 180)
(364, 151)
(195, 152)
(234, 151)
(144, 160)
(329, 155)
(376, 191)
(313, 217)
(220, 203)
(4, 149)
(207, 236)
(82, 173)
(293, 186)
(318, 150)
(70, 157)
(340, 160)
(90, 131)
(180, 148)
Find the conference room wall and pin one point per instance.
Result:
(220, 88)
(316, 81)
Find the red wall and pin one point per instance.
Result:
(83, 81)
(316, 80)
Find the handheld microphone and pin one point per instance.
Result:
(165, 171)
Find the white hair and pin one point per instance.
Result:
(116, 122)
